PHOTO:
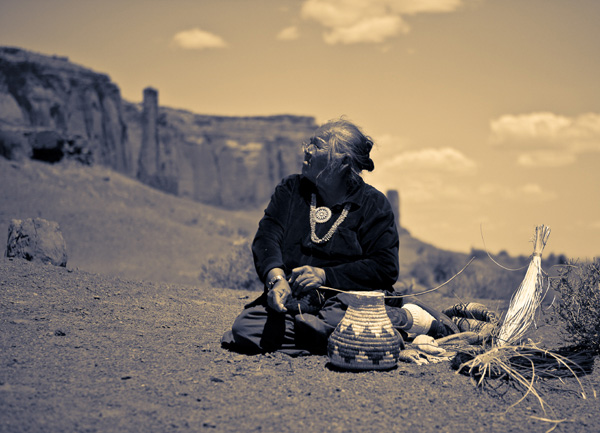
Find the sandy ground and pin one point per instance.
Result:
(85, 352)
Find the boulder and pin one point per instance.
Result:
(36, 240)
(15, 143)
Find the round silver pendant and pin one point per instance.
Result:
(322, 214)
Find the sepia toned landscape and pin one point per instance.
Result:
(126, 337)
(140, 143)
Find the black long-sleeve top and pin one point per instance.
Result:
(361, 255)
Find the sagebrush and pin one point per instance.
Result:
(233, 270)
(481, 279)
(578, 289)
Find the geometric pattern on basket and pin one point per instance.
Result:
(370, 353)
(365, 338)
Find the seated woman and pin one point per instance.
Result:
(324, 227)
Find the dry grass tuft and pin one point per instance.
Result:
(524, 366)
(578, 289)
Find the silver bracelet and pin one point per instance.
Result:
(273, 281)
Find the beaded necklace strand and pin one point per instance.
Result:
(313, 221)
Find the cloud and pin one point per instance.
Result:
(368, 30)
(528, 192)
(436, 188)
(412, 7)
(369, 21)
(197, 39)
(546, 158)
(423, 176)
(387, 146)
(443, 176)
(533, 190)
(546, 139)
(288, 34)
(444, 159)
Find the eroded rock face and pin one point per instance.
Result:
(394, 198)
(36, 240)
(51, 108)
(234, 162)
(158, 161)
(249, 157)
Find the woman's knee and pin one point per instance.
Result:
(247, 330)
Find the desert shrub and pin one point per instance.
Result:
(481, 279)
(233, 270)
(478, 253)
(484, 279)
(578, 289)
(435, 267)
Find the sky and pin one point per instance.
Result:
(485, 113)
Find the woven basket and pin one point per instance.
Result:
(365, 338)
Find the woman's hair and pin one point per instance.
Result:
(349, 148)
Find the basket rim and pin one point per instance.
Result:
(369, 294)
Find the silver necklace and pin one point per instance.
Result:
(321, 215)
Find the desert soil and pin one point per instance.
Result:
(86, 352)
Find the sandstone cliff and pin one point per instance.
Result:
(50, 107)
(233, 162)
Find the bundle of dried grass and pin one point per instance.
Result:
(526, 300)
(522, 366)
(524, 361)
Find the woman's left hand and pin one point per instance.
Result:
(306, 278)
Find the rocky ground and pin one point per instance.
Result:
(85, 352)
(98, 347)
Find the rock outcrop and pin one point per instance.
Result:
(52, 108)
(36, 240)
(234, 162)
(394, 198)
(157, 161)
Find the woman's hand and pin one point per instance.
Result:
(306, 278)
(278, 294)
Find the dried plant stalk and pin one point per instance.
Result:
(528, 297)
(522, 366)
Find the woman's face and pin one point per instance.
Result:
(315, 158)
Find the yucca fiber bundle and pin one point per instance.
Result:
(523, 363)
(528, 297)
